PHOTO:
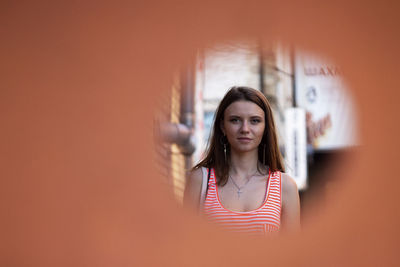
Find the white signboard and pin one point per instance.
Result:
(321, 91)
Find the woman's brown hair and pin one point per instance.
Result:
(215, 157)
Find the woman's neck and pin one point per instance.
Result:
(244, 164)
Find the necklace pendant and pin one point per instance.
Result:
(239, 192)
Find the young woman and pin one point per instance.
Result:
(247, 189)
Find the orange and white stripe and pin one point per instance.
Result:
(265, 219)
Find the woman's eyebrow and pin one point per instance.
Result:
(239, 116)
(256, 117)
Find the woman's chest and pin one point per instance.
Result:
(245, 198)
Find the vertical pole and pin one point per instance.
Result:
(261, 67)
(187, 109)
(293, 62)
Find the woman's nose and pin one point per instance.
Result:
(245, 127)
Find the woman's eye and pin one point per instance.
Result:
(234, 120)
(255, 121)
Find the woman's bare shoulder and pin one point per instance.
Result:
(288, 183)
(290, 215)
(197, 171)
(193, 187)
(196, 176)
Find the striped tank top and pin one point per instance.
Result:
(265, 219)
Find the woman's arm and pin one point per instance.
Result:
(290, 216)
(192, 192)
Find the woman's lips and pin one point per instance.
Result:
(244, 139)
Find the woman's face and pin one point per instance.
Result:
(243, 125)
